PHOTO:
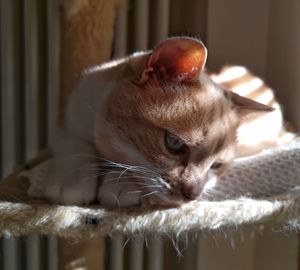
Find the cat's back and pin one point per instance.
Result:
(94, 88)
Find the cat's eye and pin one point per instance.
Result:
(216, 165)
(174, 144)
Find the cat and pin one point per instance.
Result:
(148, 129)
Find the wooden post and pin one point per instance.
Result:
(86, 40)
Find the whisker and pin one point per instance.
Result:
(101, 170)
(103, 174)
(105, 167)
(161, 186)
(134, 191)
(92, 109)
(123, 172)
(155, 186)
(117, 200)
(136, 177)
(110, 163)
(125, 182)
(211, 193)
(144, 177)
(98, 174)
(109, 171)
(127, 165)
(148, 194)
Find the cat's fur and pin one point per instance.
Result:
(113, 147)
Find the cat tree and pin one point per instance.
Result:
(258, 190)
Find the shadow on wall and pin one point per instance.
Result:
(268, 44)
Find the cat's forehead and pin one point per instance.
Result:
(190, 112)
(183, 105)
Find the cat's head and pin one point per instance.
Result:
(168, 116)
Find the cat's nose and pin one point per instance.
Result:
(190, 193)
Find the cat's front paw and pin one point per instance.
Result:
(75, 194)
(62, 181)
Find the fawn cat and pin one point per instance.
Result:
(148, 129)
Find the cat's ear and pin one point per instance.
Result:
(246, 105)
(175, 60)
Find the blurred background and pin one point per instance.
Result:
(262, 35)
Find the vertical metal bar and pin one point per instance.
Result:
(116, 252)
(8, 88)
(53, 38)
(10, 254)
(120, 43)
(199, 256)
(141, 24)
(190, 253)
(31, 72)
(155, 254)
(275, 250)
(33, 252)
(8, 111)
(53, 30)
(31, 78)
(161, 20)
(136, 253)
(52, 253)
(1, 73)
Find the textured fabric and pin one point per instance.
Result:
(271, 173)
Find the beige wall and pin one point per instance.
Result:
(263, 35)
(283, 56)
(237, 33)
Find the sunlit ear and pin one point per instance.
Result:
(246, 105)
(175, 60)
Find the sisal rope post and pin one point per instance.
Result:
(86, 40)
